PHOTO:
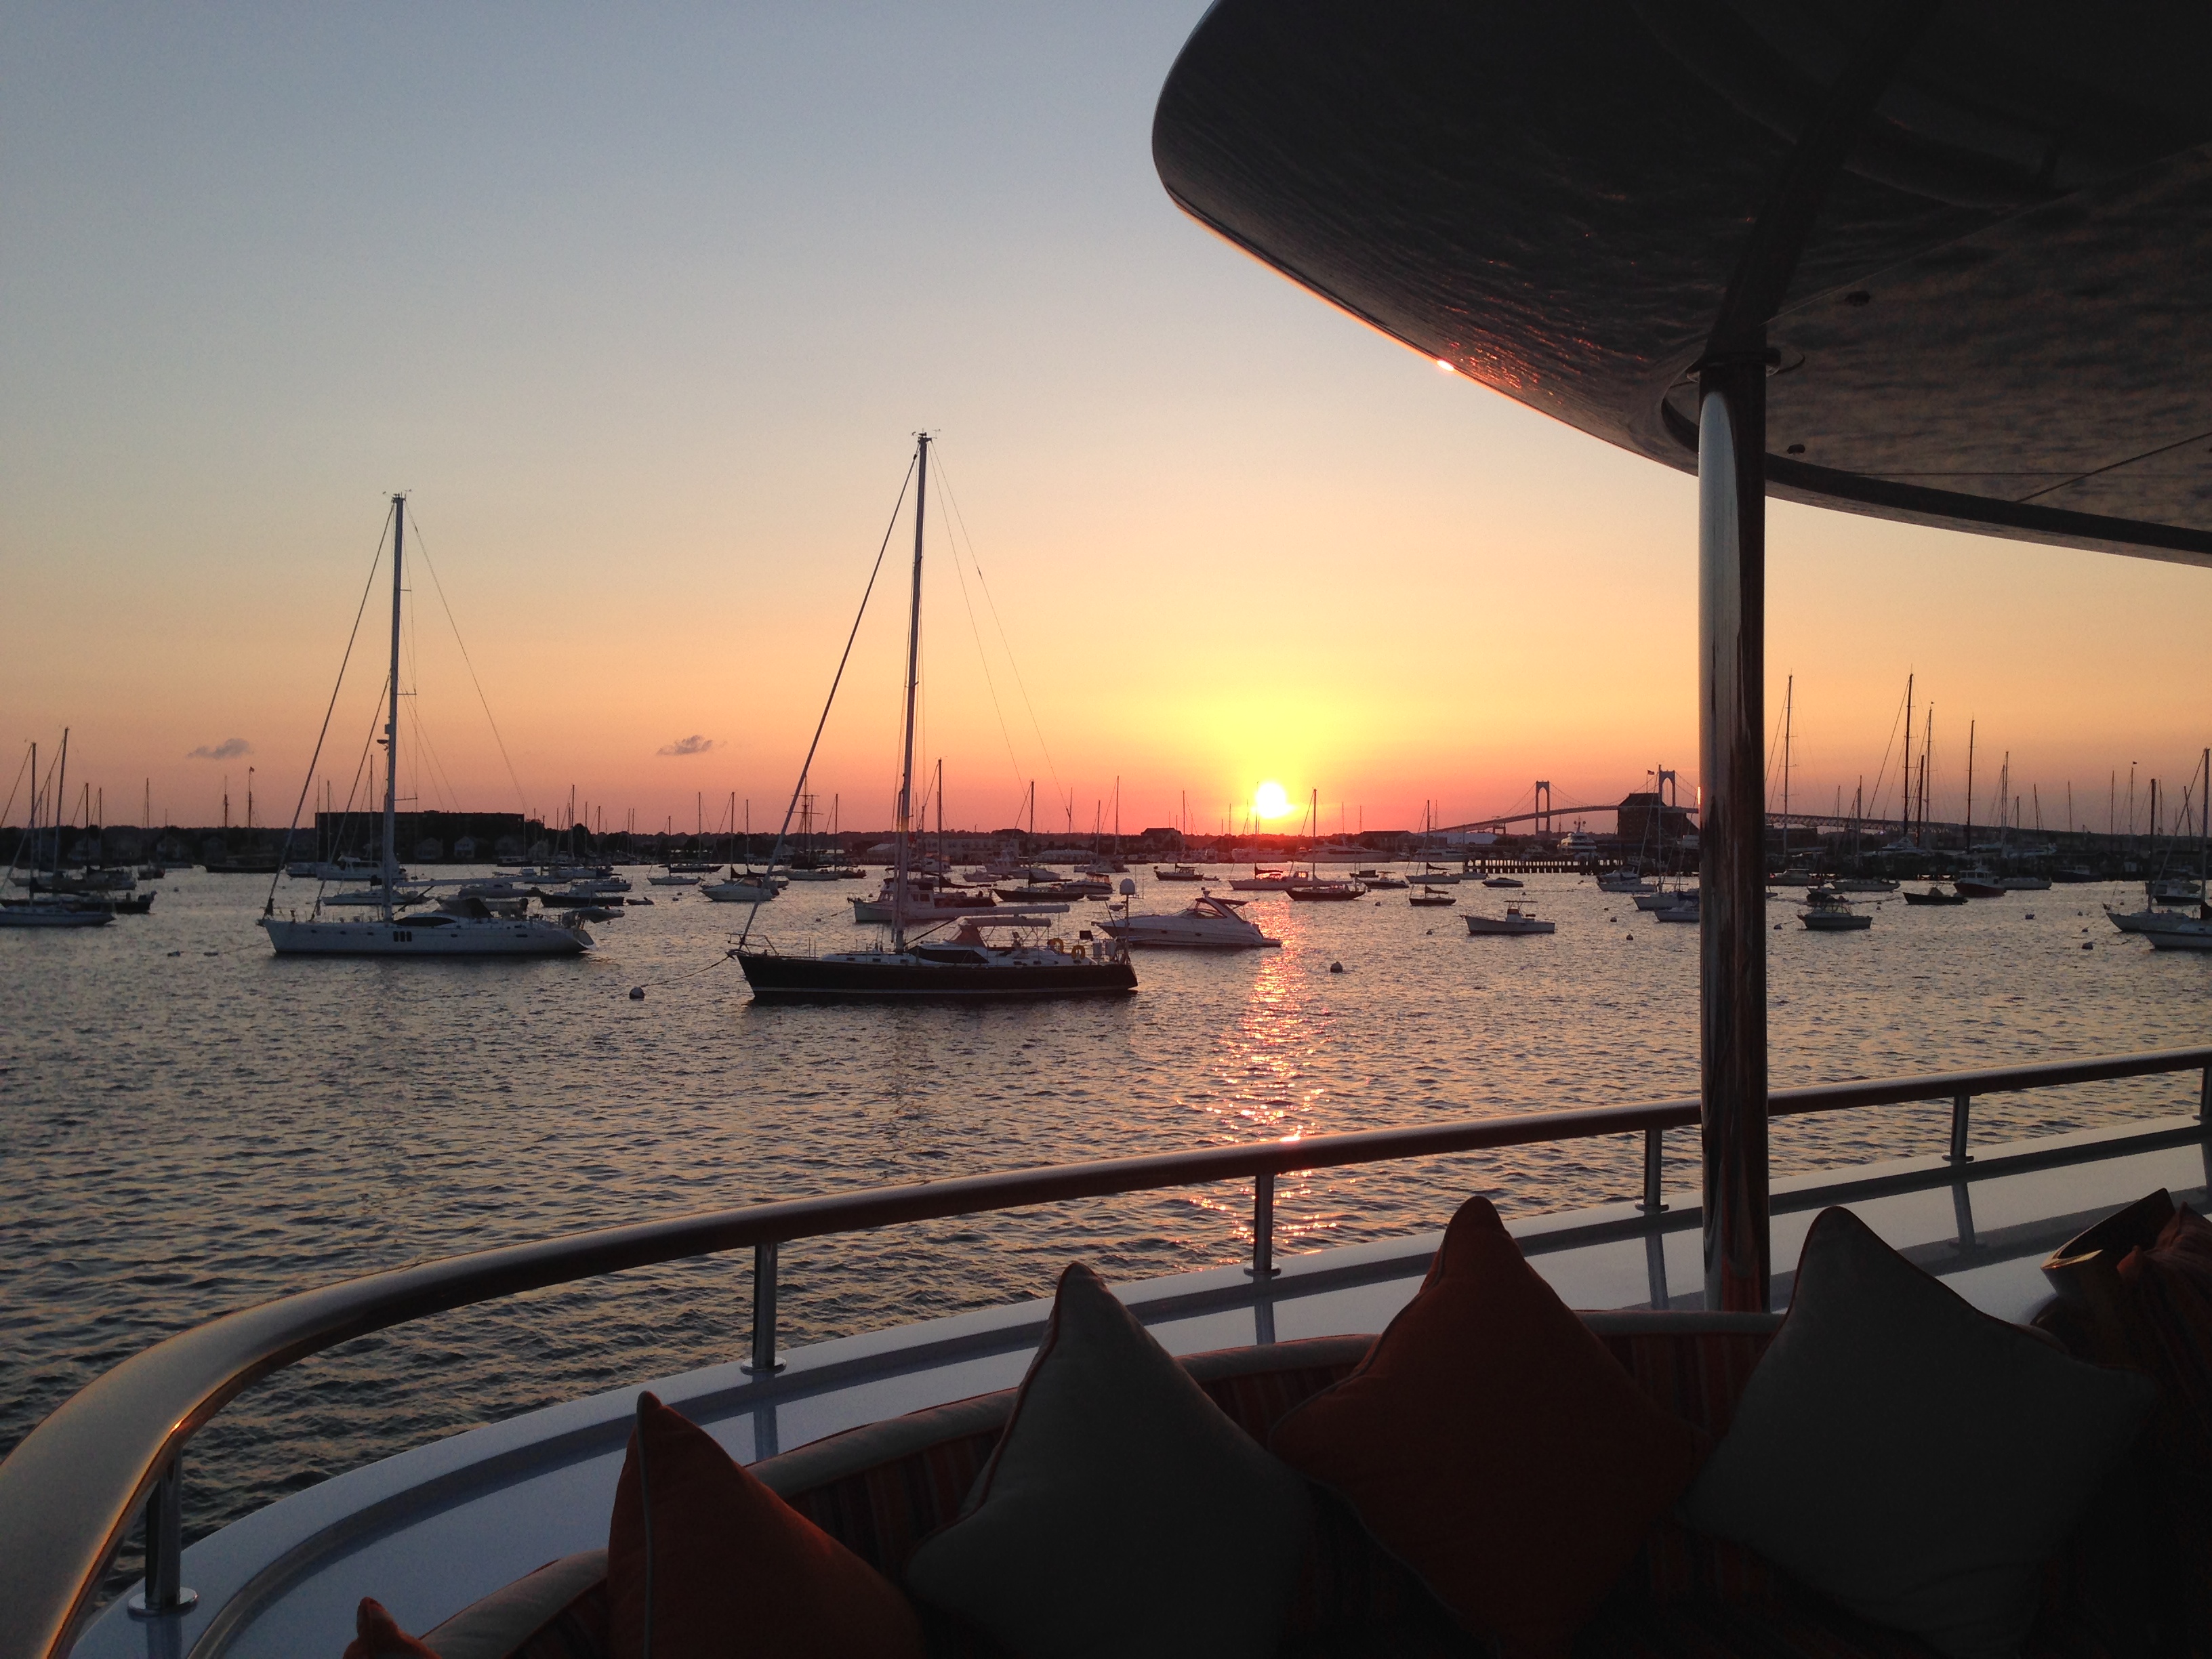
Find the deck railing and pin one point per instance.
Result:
(70, 1492)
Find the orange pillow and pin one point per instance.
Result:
(729, 1564)
(377, 1635)
(1491, 1442)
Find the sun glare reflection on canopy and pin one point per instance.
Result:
(1271, 800)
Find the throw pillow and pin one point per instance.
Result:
(377, 1635)
(703, 1559)
(1121, 1513)
(1492, 1443)
(1909, 1455)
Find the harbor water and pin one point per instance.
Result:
(189, 1124)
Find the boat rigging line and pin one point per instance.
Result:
(422, 552)
(835, 680)
(944, 488)
(307, 782)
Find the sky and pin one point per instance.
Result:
(642, 308)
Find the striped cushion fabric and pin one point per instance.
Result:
(882, 1514)
(1698, 1375)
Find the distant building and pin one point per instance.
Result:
(1647, 820)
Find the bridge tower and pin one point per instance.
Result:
(1541, 802)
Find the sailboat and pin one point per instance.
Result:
(47, 911)
(968, 966)
(468, 928)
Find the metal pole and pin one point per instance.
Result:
(1263, 1225)
(1731, 696)
(1960, 1104)
(2204, 1097)
(913, 674)
(164, 1595)
(1651, 1206)
(392, 725)
(764, 1362)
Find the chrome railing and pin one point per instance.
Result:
(70, 1492)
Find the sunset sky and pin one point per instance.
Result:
(643, 307)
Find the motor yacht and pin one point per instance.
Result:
(1504, 881)
(1208, 923)
(1832, 912)
(1518, 917)
(1262, 880)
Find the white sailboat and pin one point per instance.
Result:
(469, 928)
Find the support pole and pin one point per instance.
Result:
(764, 1362)
(1731, 706)
(1960, 1105)
(164, 1595)
(1652, 1194)
(1263, 1225)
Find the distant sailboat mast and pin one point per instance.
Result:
(392, 721)
(913, 676)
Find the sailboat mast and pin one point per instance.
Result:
(913, 678)
(1789, 706)
(1905, 814)
(1969, 848)
(391, 720)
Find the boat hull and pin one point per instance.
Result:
(28, 916)
(1498, 926)
(495, 938)
(900, 979)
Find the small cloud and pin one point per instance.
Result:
(228, 749)
(694, 744)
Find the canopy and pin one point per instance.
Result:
(1998, 320)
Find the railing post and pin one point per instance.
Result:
(164, 1595)
(1651, 1206)
(1960, 1104)
(764, 1362)
(1263, 1225)
(2204, 1097)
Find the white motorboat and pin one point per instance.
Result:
(470, 929)
(1504, 881)
(1267, 881)
(2186, 933)
(1832, 912)
(1519, 918)
(1209, 924)
(440, 933)
(672, 881)
(1177, 872)
(747, 887)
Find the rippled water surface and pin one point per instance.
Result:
(189, 1125)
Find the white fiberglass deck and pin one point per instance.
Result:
(430, 1531)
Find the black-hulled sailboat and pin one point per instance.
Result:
(968, 964)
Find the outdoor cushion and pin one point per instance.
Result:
(1121, 1513)
(556, 1611)
(711, 1557)
(1491, 1442)
(1909, 1455)
(377, 1635)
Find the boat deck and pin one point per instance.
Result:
(432, 1529)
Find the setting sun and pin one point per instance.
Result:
(1270, 800)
